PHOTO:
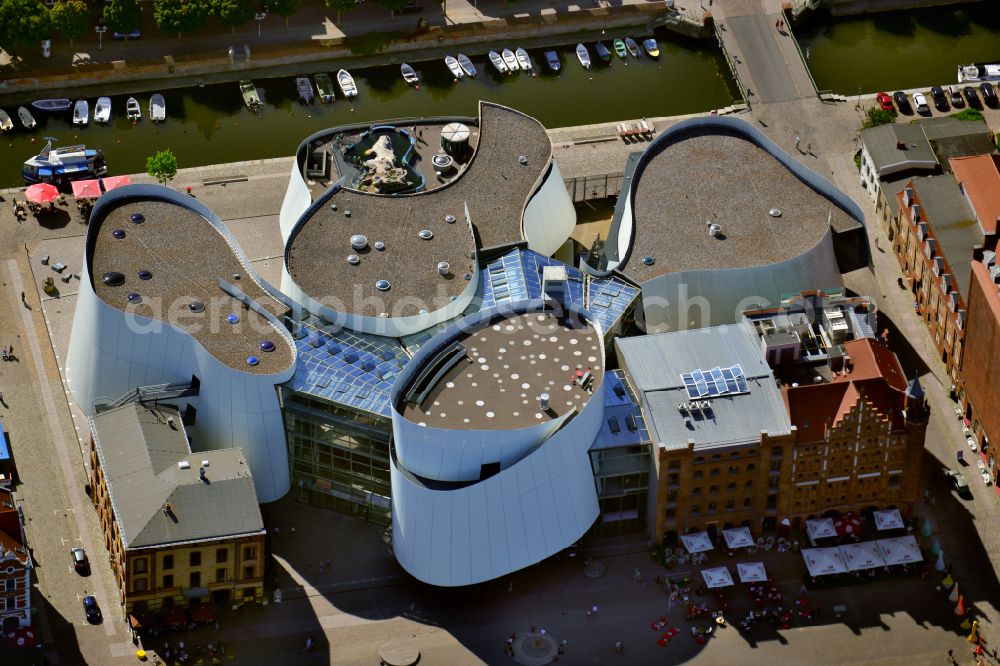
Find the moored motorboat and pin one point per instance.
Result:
(467, 66)
(346, 83)
(81, 112)
(523, 60)
(58, 165)
(250, 95)
(978, 72)
(511, 61)
(6, 124)
(304, 87)
(632, 47)
(583, 55)
(409, 74)
(157, 108)
(132, 110)
(52, 105)
(652, 48)
(620, 49)
(602, 52)
(552, 58)
(324, 88)
(498, 62)
(26, 118)
(454, 67)
(102, 110)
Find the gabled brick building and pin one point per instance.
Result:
(15, 566)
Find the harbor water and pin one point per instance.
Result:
(210, 124)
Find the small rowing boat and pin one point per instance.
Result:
(157, 108)
(102, 110)
(522, 59)
(347, 85)
(602, 52)
(620, 49)
(81, 112)
(511, 61)
(583, 55)
(305, 89)
(26, 118)
(52, 105)
(467, 66)
(454, 67)
(632, 47)
(250, 96)
(652, 48)
(498, 62)
(552, 58)
(324, 88)
(132, 110)
(6, 124)
(409, 75)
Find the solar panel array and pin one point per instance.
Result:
(609, 298)
(715, 382)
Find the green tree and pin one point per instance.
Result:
(162, 166)
(22, 22)
(233, 13)
(70, 18)
(180, 16)
(122, 15)
(283, 8)
(877, 116)
(340, 6)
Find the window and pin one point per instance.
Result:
(711, 507)
(747, 502)
(168, 562)
(733, 469)
(168, 581)
(674, 464)
(139, 585)
(249, 553)
(695, 509)
(894, 481)
(670, 514)
(141, 565)
(730, 505)
(10, 584)
(195, 560)
(698, 474)
(731, 487)
(248, 572)
(221, 555)
(714, 471)
(713, 490)
(748, 485)
(195, 579)
(751, 467)
(220, 575)
(772, 501)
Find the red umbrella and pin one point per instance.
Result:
(111, 182)
(25, 637)
(847, 524)
(86, 189)
(42, 193)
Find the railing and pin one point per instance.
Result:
(595, 186)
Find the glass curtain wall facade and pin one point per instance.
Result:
(339, 456)
(622, 478)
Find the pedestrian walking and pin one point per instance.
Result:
(809, 148)
(274, 530)
(797, 140)
(309, 644)
(24, 301)
(293, 530)
(619, 647)
(1, 399)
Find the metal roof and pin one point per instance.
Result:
(140, 448)
(954, 224)
(655, 363)
(883, 144)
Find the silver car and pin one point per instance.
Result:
(920, 103)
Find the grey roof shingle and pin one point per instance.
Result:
(139, 448)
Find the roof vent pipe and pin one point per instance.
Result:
(715, 230)
(444, 268)
(543, 402)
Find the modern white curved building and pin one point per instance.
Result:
(492, 422)
(717, 219)
(170, 309)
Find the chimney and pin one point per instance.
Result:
(543, 402)
(168, 509)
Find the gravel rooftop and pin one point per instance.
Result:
(510, 363)
(186, 256)
(496, 188)
(730, 181)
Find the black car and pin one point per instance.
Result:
(80, 561)
(972, 97)
(92, 610)
(940, 101)
(989, 93)
(956, 98)
(902, 103)
(959, 483)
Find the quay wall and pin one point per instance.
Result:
(850, 7)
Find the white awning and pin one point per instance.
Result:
(862, 555)
(900, 550)
(717, 577)
(888, 520)
(823, 561)
(821, 528)
(751, 572)
(738, 537)
(697, 542)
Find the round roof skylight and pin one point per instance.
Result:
(134, 298)
(426, 234)
(113, 279)
(252, 360)
(359, 241)
(774, 212)
(118, 233)
(233, 318)
(196, 306)
(145, 275)
(353, 259)
(648, 260)
(450, 219)
(267, 345)
(379, 245)
(138, 218)
(382, 285)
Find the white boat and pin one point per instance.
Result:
(454, 67)
(55, 165)
(409, 74)
(511, 61)
(157, 108)
(467, 66)
(346, 83)
(81, 112)
(583, 55)
(6, 124)
(522, 59)
(26, 118)
(978, 72)
(102, 110)
(132, 110)
(498, 62)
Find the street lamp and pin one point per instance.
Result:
(260, 16)
(100, 30)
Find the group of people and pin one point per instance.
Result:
(180, 654)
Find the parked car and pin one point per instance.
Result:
(920, 103)
(940, 101)
(956, 98)
(971, 97)
(902, 102)
(959, 483)
(884, 102)
(989, 93)
(92, 610)
(80, 561)
(135, 34)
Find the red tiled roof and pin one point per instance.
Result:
(10, 527)
(872, 358)
(979, 177)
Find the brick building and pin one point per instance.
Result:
(181, 528)
(15, 566)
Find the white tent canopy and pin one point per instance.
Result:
(821, 528)
(823, 561)
(717, 577)
(738, 537)
(900, 550)
(751, 572)
(888, 520)
(697, 542)
(862, 555)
